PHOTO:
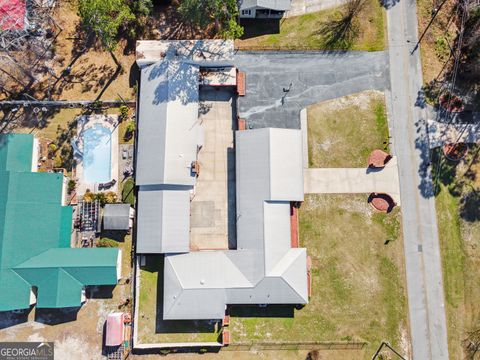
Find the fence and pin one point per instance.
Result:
(287, 49)
(296, 345)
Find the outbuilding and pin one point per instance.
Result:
(118, 217)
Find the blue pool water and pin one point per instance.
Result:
(97, 153)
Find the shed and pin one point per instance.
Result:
(114, 329)
(117, 217)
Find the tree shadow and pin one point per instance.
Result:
(340, 33)
(271, 311)
(14, 317)
(56, 316)
(470, 206)
(388, 4)
(422, 144)
(258, 27)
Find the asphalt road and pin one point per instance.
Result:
(314, 77)
(410, 142)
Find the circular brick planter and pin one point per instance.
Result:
(378, 159)
(455, 152)
(381, 202)
(451, 103)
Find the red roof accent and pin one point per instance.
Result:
(226, 337)
(294, 226)
(241, 83)
(242, 124)
(114, 329)
(12, 14)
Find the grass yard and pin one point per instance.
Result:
(308, 31)
(128, 191)
(458, 214)
(342, 132)
(359, 291)
(434, 48)
(151, 327)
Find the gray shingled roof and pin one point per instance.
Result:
(264, 269)
(279, 5)
(116, 217)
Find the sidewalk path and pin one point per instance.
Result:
(353, 180)
(440, 133)
(407, 116)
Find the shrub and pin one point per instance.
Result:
(123, 112)
(71, 185)
(107, 243)
(110, 197)
(88, 196)
(129, 130)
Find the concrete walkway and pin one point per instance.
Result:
(355, 180)
(301, 7)
(440, 133)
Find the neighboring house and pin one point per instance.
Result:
(37, 264)
(264, 268)
(263, 8)
(118, 217)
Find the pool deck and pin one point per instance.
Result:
(87, 121)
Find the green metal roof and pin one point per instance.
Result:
(35, 232)
(16, 152)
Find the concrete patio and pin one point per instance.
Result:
(213, 205)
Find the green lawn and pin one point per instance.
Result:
(459, 232)
(309, 31)
(128, 191)
(358, 282)
(342, 132)
(151, 327)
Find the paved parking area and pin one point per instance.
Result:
(310, 77)
(212, 222)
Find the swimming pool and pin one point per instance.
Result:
(97, 154)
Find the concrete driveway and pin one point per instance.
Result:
(314, 77)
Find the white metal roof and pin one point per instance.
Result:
(163, 224)
(264, 269)
(168, 128)
(116, 216)
(279, 5)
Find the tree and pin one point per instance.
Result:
(104, 18)
(222, 13)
